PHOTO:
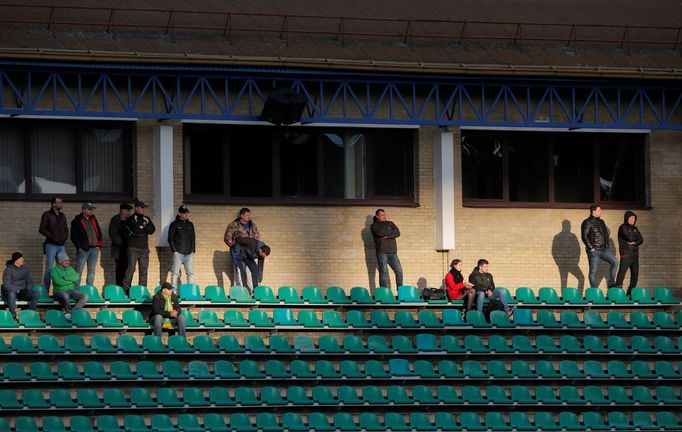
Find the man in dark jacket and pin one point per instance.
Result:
(86, 235)
(17, 283)
(118, 233)
(182, 241)
(249, 250)
(140, 227)
(385, 232)
(53, 228)
(595, 236)
(629, 239)
(483, 283)
(166, 311)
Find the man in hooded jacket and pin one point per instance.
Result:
(17, 283)
(629, 240)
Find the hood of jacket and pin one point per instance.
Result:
(627, 215)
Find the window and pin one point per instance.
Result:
(85, 159)
(562, 169)
(298, 165)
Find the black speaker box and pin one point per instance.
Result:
(283, 107)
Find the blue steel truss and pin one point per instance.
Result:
(193, 93)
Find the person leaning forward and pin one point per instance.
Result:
(166, 311)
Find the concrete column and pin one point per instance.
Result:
(444, 187)
(164, 207)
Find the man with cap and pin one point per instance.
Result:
(140, 227)
(166, 311)
(86, 235)
(64, 279)
(118, 233)
(17, 283)
(182, 241)
(53, 228)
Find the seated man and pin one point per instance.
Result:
(17, 283)
(64, 280)
(166, 311)
(485, 287)
(247, 251)
(457, 287)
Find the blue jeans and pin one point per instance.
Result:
(178, 260)
(27, 294)
(385, 260)
(498, 294)
(64, 296)
(90, 257)
(157, 324)
(606, 255)
(51, 251)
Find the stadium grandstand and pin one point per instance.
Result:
(484, 129)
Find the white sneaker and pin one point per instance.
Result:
(67, 316)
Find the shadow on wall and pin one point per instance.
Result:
(165, 262)
(108, 266)
(566, 250)
(421, 284)
(370, 253)
(223, 268)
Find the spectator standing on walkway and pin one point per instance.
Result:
(140, 227)
(385, 232)
(118, 233)
(53, 228)
(629, 240)
(86, 235)
(595, 236)
(243, 226)
(182, 241)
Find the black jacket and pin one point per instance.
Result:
(16, 278)
(181, 236)
(385, 234)
(79, 234)
(247, 248)
(594, 233)
(629, 234)
(481, 281)
(159, 305)
(118, 233)
(140, 227)
(54, 228)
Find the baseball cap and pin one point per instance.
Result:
(88, 206)
(183, 209)
(125, 206)
(140, 204)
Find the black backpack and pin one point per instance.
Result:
(492, 305)
(433, 294)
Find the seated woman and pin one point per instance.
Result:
(457, 287)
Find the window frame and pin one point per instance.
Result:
(77, 126)
(280, 199)
(643, 187)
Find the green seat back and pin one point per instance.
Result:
(572, 296)
(284, 317)
(115, 398)
(521, 369)
(424, 369)
(61, 398)
(664, 296)
(617, 344)
(378, 344)
(280, 344)
(641, 296)
(594, 320)
(384, 295)
(179, 344)
(30, 319)
(264, 294)
(618, 296)
(115, 294)
(499, 319)
(204, 344)
(429, 319)
(596, 296)
(526, 296)
(190, 292)
(216, 294)
(82, 319)
(6, 320)
(332, 318)
(107, 318)
(121, 371)
(548, 295)
(408, 294)
(329, 345)
(308, 318)
(209, 318)
(448, 394)
(304, 344)
(522, 344)
(276, 369)
(148, 370)
(154, 344)
(246, 396)
(357, 319)
(301, 369)
(474, 344)
(234, 318)
(297, 395)
(271, 396)
(128, 344)
(140, 294)
(453, 317)
(336, 295)
(354, 344)
(88, 398)
(313, 295)
(250, 369)
(404, 319)
(173, 369)
(225, 369)
(569, 319)
(289, 295)
(133, 318)
(240, 294)
(426, 342)
(93, 294)
(49, 344)
(361, 295)
(67, 370)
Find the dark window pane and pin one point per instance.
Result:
(528, 169)
(298, 164)
(344, 171)
(250, 158)
(53, 163)
(482, 166)
(392, 162)
(104, 167)
(204, 149)
(573, 169)
(12, 179)
(620, 169)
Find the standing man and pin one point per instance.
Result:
(182, 241)
(64, 278)
(140, 227)
(243, 226)
(385, 232)
(53, 228)
(86, 235)
(17, 283)
(166, 311)
(595, 236)
(483, 283)
(118, 233)
(629, 239)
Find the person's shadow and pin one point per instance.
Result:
(566, 251)
(222, 266)
(370, 253)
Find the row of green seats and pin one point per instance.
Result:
(362, 296)
(342, 421)
(192, 397)
(349, 369)
(357, 319)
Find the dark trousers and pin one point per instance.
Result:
(141, 256)
(27, 294)
(631, 263)
(468, 298)
(121, 266)
(256, 270)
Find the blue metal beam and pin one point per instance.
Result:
(235, 94)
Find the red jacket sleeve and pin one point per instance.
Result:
(454, 289)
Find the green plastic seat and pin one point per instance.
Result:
(42, 371)
(197, 369)
(370, 422)
(297, 395)
(662, 344)
(640, 344)
(204, 344)
(526, 296)
(304, 344)
(496, 421)
(447, 394)
(618, 344)
(619, 421)
(121, 371)
(664, 296)
(445, 421)
(88, 398)
(497, 395)
(82, 319)
(641, 296)
(593, 369)
(594, 421)
(293, 422)
(405, 319)
(280, 344)
(68, 371)
(333, 319)
(94, 370)
(194, 397)
(240, 422)
(419, 421)
(473, 369)
(474, 344)
(168, 397)
(30, 319)
(190, 292)
(453, 318)
(473, 395)
(377, 344)
(61, 398)
(376, 369)
(154, 344)
(220, 397)
(521, 421)
(43, 296)
(128, 344)
(135, 423)
(572, 296)
(14, 372)
(596, 296)
(618, 395)
(173, 369)
(313, 295)
(570, 395)
(322, 395)
(548, 295)
(409, 294)
(336, 295)
(6, 320)
(264, 294)
(666, 395)
(115, 294)
(107, 423)
(545, 421)
(250, 369)
(399, 368)
(361, 295)
(56, 319)
(189, 423)
(476, 319)
(319, 422)
(373, 395)
(426, 342)
(25, 424)
(617, 320)
(422, 395)
(424, 369)
(234, 318)
(497, 369)
(510, 299)
(229, 344)
(641, 369)
(471, 421)
(246, 396)
(523, 318)
(107, 318)
(240, 294)
(545, 369)
(569, 319)
(179, 344)
(668, 421)
(148, 370)
(53, 424)
(521, 344)
(301, 370)
(8, 400)
(289, 295)
(115, 398)
(284, 317)
(345, 422)
(594, 320)
(140, 294)
(190, 322)
(499, 319)
(640, 320)
(49, 344)
(428, 319)
(329, 345)
(617, 369)
(643, 395)
(34, 399)
(354, 344)
(546, 344)
(326, 370)
(267, 422)
(547, 319)
(93, 294)
(309, 319)
(209, 318)
(162, 423)
(663, 320)
(133, 318)
(449, 369)
(381, 319)
(570, 369)
(385, 296)
(216, 294)
(357, 319)
(569, 421)
(618, 296)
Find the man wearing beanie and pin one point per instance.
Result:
(17, 283)
(64, 279)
